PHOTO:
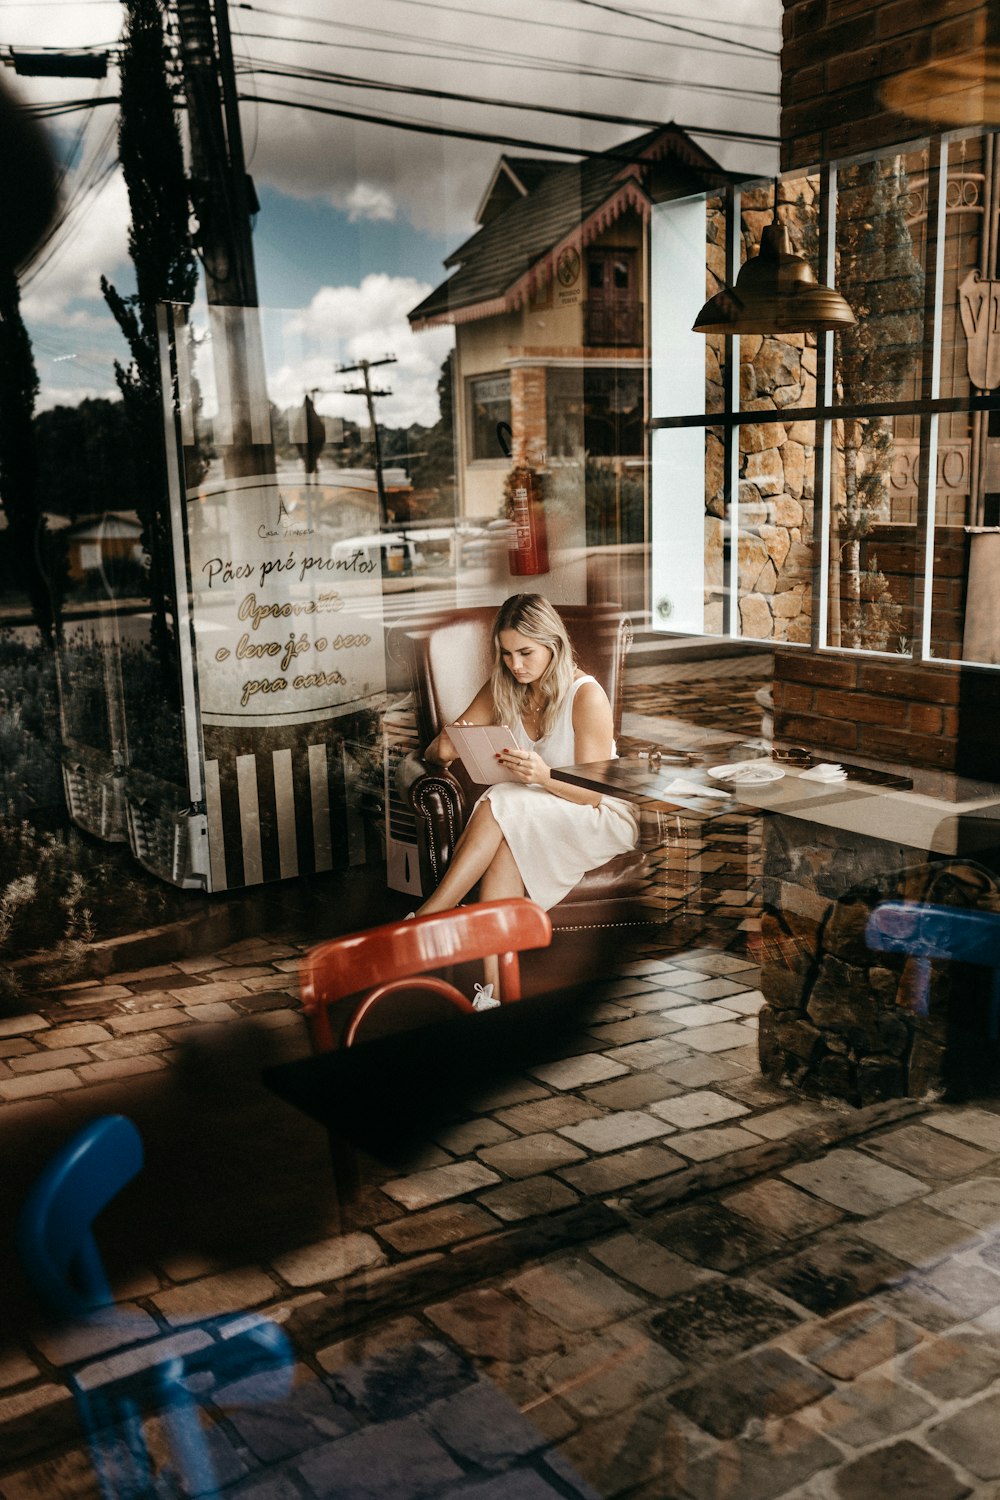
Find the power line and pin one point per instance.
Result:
(680, 15)
(519, 61)
(53, 110)
(84, 197)
(617, 10)
(404, 36)
(70, 106)
(577, 30)
(423, 128)
(353, 80)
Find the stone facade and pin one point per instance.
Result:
(843, 1020)
(777, 373)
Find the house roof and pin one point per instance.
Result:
(513, 176)
(558, 205)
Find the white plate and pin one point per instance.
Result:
(747, 773)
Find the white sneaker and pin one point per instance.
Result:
(482, 998)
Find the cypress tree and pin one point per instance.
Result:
(152, 159)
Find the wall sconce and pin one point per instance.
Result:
(776, 291)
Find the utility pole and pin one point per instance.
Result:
(370, 392)
(224, 200)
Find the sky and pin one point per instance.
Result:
(357, 218)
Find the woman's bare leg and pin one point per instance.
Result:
(502, 878)
(474, 853)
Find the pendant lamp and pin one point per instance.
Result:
(775, 292)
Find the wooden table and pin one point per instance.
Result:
(871, 803)
(643, 780)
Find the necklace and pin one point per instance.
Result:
(530, 711)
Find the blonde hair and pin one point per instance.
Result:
(531, 615)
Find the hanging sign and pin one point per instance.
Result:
(569, 280)
(979, 303)
(287, 611)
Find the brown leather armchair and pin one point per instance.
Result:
(448, 657)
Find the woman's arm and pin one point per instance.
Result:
(593, 738)
(480, 711)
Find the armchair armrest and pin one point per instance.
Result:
(440, 805)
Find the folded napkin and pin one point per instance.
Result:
(827, 771)
(683, 788)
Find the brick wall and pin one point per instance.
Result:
(894, 549)
(839, 55)
(937, 715)
(837, 701)
(527, 414)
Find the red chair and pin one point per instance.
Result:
(383, 962)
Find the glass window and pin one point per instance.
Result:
(594, 410)
(873, 557)
(880, 239)
(896, 521)
(489, 406)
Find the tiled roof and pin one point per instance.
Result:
(577, 199)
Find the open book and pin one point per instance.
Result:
(478, 744)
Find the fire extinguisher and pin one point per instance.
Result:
(530, 552)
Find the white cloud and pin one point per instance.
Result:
(71, 395)
(92, 242)
(346, 323)
(365, 201)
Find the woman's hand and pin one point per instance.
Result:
(527, 766)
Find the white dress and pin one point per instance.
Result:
(555, 842)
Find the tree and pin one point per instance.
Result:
(437, 465)
(166, 270)
(883, 280)
(28, 539)
(86, 463)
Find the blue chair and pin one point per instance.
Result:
(60, 1255)
(925, 931)
(54, 1234)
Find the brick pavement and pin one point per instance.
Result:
(648, 1272)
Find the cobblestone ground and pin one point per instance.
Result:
(631, 1269)
(627, 1268)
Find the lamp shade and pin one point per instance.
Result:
(775, 292)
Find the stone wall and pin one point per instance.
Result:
(777, 372)
(844, 1021)
(846, 64)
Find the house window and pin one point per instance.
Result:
(489, 405)
(594, 410)
(613, 309)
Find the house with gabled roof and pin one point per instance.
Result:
(549, 300)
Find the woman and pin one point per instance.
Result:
(535, 836)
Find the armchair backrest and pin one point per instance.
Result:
(449, 656)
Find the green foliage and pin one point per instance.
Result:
(59, 891)
(615, 505)
(86, 463)
(436, 468)
(27, 543)
(879, 616)
(30, 776)
(882, 278)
